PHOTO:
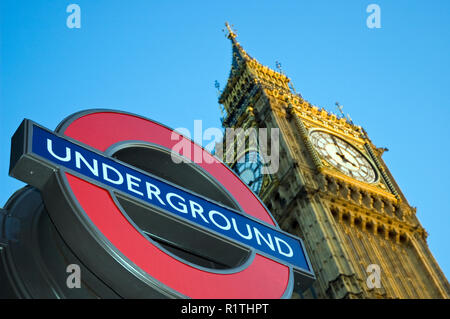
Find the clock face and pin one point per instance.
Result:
(249, 169)
(343, 156)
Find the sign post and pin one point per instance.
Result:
(141, 233)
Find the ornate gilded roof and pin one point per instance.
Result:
(242, 62)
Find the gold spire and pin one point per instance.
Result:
(231, 34)
(239, 54)
(243, 66)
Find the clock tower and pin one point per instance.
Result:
(332, 189)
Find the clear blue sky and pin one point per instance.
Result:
(160, 59)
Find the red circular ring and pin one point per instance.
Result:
(263, 278)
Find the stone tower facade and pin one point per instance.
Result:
(332, 189)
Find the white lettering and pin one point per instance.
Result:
(214, 212)
(248, 236)
(105, 168)
(79, 158)
(183, 208)
(130, 183)
(197, 209)
(153, 190)
(50, 150)
(278, 241)
(259, 236)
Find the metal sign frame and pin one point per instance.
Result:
(76, 219)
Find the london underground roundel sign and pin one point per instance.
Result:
(151, 228)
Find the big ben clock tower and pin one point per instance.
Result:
(332, 188)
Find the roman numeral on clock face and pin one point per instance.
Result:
(343, 156)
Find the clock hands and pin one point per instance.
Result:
(340, 153)
(344, 159)
(249, 171)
